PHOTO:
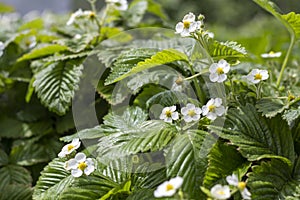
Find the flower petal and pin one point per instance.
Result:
(80, 157)
(76, 172)
(214, 77)
(179, 27)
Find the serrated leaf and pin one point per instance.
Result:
(167, 98)
(53, 181)
(160, 58)
(256, 137)
(56, 84)
(229, 50)
(13, 174)
(89, 187)
(270, 107)
(184, 158)
(218, 169)
(136, 12)
(291, 115)
(156, 8)
(42, 52)
(274, 180)
(293, 20)
(3, 158)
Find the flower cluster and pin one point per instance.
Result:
(190, 112)
(168, 188)
(118, 4)
(79, 164)
(188, 25)
(223, 192)
(79, 13)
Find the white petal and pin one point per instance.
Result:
(185, 33)
(214, 77)
(205, 110)
(246, 194)
(265, 74)
(210, 102)
(184, 111)
(165, 109)
(173, 108)
(76, 172)
(196, 117)
(232, 180)
(61, 154)
(198, 110)
(179, 27)
(218, 102)
(226, 68)
(220, 192)
(89, 169)
(193, 27)
(175, 116)
(211, 116)
(80, 157)
(220, 110)
(157, 194)
(168, 119)
(190, 106)
(222, 78)
(213, 68)
(187, 118)
(176, 182)
(72, 164)
(190, 17)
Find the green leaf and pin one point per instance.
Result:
(229, 50)
(274, 180)
(16, 192)
(156, 8)
(293, 20)
(257, 137)
(218, 169)
(53, 181)
(13, 174)
(5, 8)
(3, 158)
(167, 98)
(184, 158)
(270, 107)
(89, 187)
(160, 58)
(65, 123)
(33, 24)
(56, 84)
(42, 52)
(135, 12)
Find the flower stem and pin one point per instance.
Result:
(199, 91)
(287, 56)
(196, 75)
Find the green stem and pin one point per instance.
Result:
(287, 56)
(199, 91)
(196, 75)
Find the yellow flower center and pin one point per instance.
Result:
(191, 113)
(92, 15)
(82, 166)
(221, 192)
(70, 147)
(220, 70)
(27, 43)
(271, 52)
(258, 77)
(241, 185)
(186, 24)
(211, 108)
(169, 187)
(168, 113)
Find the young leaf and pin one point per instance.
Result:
(160, 58)
(256, 137)
(42, 52)
(56, 84)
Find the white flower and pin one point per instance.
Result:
(168, 188)
(220, 192)
(191, 112)
(233, 180)
(31, 42)
(2, 47)
(188, 25)
(79, 165)
(69, 148)
(168, 114)
(213, 108)
(218, 71)
(118, 4)
(79, 13)
(271, 54)
(77, 36)
(257, 75)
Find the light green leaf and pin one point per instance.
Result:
(167, 98)
(56, 84)
(275, 180)
(42, 52)
(256, 137)
(33, 24)
(135, 12)
(293, 20)
(291, 115)
(5, 8)
(156, 8)
(160, 58)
